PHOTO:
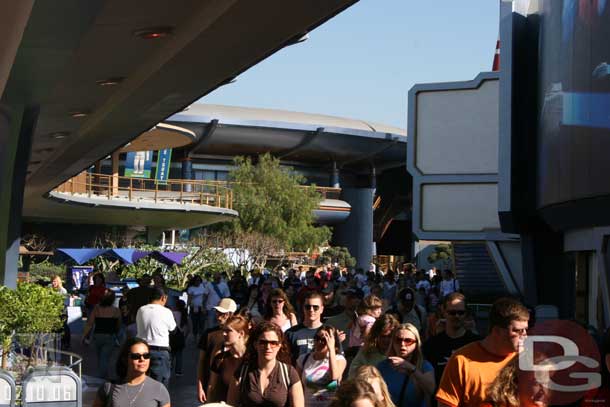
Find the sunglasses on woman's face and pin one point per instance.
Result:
(263, 343)
(138, 356)
(408, 341)
(277, 301)
(319, 339)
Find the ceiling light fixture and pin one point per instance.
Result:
(154, 33)
(110, 81)
(59, 135)
(77, 114)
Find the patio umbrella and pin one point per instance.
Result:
(81, 256)
(127, 256)
(169, 258)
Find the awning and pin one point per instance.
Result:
(81, 256)
(127, 256)
(169, 258)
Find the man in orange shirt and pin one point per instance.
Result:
(472, 368)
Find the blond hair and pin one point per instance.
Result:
(369, 373)
(416, 357)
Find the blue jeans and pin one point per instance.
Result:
(177, 359)
(104, 345)
(197, 320)
(160, 366)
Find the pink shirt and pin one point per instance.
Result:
(356, 337)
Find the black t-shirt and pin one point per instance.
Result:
(211, 343)
(300, 339)
(438, 349)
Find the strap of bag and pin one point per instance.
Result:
(284, 375)
(215, 287)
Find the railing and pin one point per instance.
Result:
(143, 189)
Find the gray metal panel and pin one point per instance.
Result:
(8, 378)
(52, 372)
(420, 179)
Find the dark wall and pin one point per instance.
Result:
(574, 113)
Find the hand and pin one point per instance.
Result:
(341, 335)
(329, 339)
(401, 364)
(200, 393)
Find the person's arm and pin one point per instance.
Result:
(426, 382)
(296, 395)
(293, 320)
(90, 322)
(336, 366)
(212, 382)
(201, 396)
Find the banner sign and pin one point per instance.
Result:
(164, 159)
(138, 164)
(78, 277)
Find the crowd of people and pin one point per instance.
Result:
(314, 337)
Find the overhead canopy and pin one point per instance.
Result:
(126, 256)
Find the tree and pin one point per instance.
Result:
(443, 253)
(338, 255)
(271, 201)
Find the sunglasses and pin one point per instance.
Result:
(408, 341)
(311, 307)
(319, 339)
(456, 312)
(263, 343)
(277, 301)
(138, 356)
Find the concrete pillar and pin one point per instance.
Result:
(115, 173)
(187, 173)
(357, 232)
(335, 181)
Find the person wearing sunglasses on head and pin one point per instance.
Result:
(410, 378)
(438, 348)
(279, 310)
(133, 388)
(265, 377)
(321, 369)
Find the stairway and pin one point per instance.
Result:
(477, 273)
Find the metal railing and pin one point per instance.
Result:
(143, 189)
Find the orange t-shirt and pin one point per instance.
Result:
(469, 371)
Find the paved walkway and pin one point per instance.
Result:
(183, 390)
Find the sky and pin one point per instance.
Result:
(362, 63)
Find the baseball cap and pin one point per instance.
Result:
(226, 305)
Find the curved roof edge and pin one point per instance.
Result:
(259, 117)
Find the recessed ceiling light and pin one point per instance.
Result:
(110, 81)
(78, 114)
(154, 33)
(59, 135)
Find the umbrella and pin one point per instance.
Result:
(83, 255)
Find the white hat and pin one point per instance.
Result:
(226, 305)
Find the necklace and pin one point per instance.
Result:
(141, 385)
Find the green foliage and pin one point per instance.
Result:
(45, 270)
(270, 201)
(338, 255)
(443, 253)
(201, 260)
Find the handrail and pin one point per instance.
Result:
(197, 192)
(200, 192)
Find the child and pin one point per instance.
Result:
(368, 312)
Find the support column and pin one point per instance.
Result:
(16, 127)
(357, 232)
(115, 173)
(187, 173)
(335, 181)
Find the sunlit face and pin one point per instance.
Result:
(56, 282)
(377, 387)
(376, 313)
(362, 403)
(231, 336)
(268, 345)
(139, 365)
(312, 310)
(515, 334)
(404, 343)
(319, 343)
(533, 389)
(384, 340)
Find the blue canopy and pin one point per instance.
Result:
(127, 256)
(81, 256)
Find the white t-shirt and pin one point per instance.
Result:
(316, 380)
(213, 297)
(154, 324)
(196, 296)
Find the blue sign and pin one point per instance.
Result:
(138, 164)
(164, 159)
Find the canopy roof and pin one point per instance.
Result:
(126, 256)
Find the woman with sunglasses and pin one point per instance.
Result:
(266, 378)
(134, 388)
(376, 344)
(235, 332)
(279, 310)
(322, 368)
(410, 378)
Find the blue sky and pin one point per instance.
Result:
(362, 63)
